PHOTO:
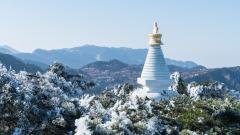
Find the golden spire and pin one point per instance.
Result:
(155, 37)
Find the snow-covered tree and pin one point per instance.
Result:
(179, 85)
(117, 111)
(54, 103)
(40, 103)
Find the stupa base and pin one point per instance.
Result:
(155, 86)
(157, 96)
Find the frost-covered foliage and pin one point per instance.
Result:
(206, 90)
(235, 94)
(203, 90)
(40, 103)
(179, 84)
(114, 112)
(117, 111)
(53, 103)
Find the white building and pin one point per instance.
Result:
(155, 76)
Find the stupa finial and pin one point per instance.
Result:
(155, 37)
(155, 28)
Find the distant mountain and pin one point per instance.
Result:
(185, 64)
(109, 73)
(229, 76)
(17, 64)
(80, 56)
(126, 67)
(113, 65)
(113, 72)
(39, 64)
(7, 50)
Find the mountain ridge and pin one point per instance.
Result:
(79, 56)
(10, 61)
(8, 50)
(128, 73)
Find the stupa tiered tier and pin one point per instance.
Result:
(155, 76)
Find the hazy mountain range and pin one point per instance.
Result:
(96, 62)
(115, 72)
(80, 56)
(17, 64)
(8, 50)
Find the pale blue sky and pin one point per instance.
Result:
(204, 31)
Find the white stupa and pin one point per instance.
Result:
(155, 76)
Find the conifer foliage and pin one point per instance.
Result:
(200, 109)
(40, 103)
(54, 103)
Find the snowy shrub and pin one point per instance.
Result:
(179, 84)
(53, 103)
(117, 111)
(39, 103)
(114, 112)
(206, 90)
(203, 90)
